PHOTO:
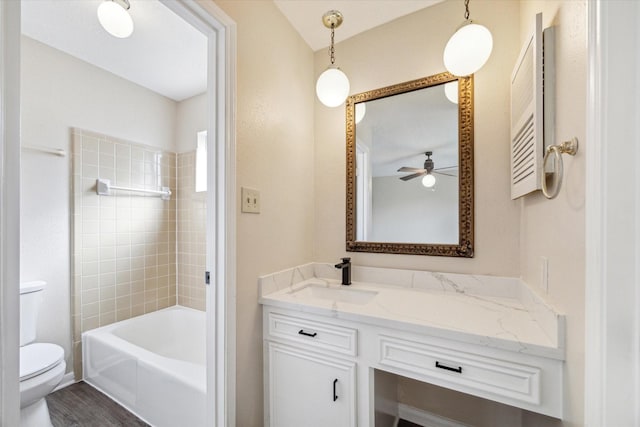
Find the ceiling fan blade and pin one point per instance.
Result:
(408, 169)
(446, 167)
(446, 174)
(415, 175)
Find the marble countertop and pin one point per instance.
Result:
(490, 311)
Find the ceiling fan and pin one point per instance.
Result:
(427, 171)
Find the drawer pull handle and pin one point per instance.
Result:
(302, 332)
(449, 368)
(335, 395)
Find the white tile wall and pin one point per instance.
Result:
(124, 246)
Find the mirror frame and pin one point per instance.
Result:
(465, 245)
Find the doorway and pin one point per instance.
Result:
(220, 228)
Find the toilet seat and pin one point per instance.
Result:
(37, 358)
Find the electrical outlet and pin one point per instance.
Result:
(250, 200)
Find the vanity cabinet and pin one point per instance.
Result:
(309, 389)
(319, 370)
(489, 337)
(310, 373)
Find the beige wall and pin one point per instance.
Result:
(405, 49)
(274, 155)
(302, 183)
(509, 235)
(555, 228)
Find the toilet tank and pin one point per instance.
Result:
(30, 301)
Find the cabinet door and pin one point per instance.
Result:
(310, 390)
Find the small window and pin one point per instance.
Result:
(201, 162)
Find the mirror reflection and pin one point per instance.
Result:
(405, 172)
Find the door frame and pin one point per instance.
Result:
(221, 230)
(612, 232)
(9, 212)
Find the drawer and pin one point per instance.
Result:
(462, 371)
(313, 333)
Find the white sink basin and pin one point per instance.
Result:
(336, 294)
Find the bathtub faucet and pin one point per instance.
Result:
(345, 266)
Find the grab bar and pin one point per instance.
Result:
(57, 151)
(104, 187)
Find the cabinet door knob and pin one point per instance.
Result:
(335, 395)
(302, 332)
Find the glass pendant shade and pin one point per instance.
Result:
(332, 87)
(429, 180)
(451, 91)
(361, 110)
(115, 19)
(468, 49)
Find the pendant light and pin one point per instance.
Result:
(332, 86)
(361, 110)
(469, 47)
(451, 91)
(115, 19)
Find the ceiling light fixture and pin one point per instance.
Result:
(451, 91)
(361, 110)
(332, 86)
(469, 47)
(429, 180)
(115, 19)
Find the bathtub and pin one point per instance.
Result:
(154, 365)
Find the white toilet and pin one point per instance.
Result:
(42, 365)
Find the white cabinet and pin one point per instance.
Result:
(307, 388)
(310, 372)
(310, 359)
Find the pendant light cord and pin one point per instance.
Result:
(332, 52)
(466, 7)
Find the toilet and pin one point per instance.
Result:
(42, 365)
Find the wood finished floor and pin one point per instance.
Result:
(81, 405)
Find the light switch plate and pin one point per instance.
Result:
(250, 200)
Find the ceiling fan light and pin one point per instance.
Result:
(468, 49)
(429, 180)
(115, 18)
(332, 87)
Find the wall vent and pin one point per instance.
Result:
(527, 115)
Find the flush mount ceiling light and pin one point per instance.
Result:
(115, 19)
(332, 86)
(469, 48)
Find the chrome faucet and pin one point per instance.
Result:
(345, 266)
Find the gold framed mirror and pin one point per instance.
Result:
(410, 168)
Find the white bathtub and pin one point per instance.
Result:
(154, 365)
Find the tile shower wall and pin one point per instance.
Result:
(124, 246)
(191, 235)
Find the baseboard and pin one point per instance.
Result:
(67, 380)
(424, 418)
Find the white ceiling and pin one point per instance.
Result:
(398, 130)
(359, 16)
(165, 54)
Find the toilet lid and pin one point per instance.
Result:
(38, 358)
